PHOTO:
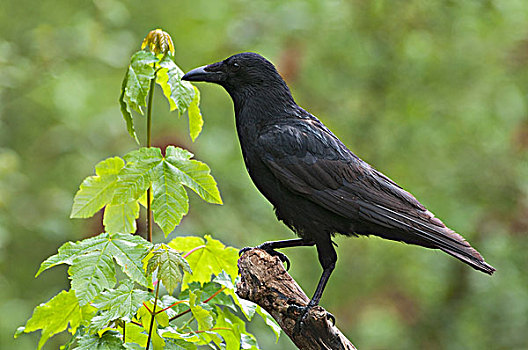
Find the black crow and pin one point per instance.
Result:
(316, 184)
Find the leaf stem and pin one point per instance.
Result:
(152, 319)
(180, 315)
(205, 301)
(212, 329)
(146, 307)
(149, 144)
(168, 307)
(193, 250)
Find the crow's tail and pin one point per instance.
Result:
(426, 230)
(474, 262)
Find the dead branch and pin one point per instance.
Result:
(265, 282)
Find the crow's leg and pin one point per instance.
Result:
(327, 258)
(270, 247)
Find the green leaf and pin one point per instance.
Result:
(193, 174)
(134, 179)
(121, 217)
(135, 334)
(69, 251)
(110, 340)
(128, 250)
(91, 273)
(97, 191)
(54, 316)
(206, 290)
(178, 92)
(270, 321)
(195, 116)
(70, 344)
(236, 338)
(248, 341)
(135, 87)
(248, 308)
(203, 317)
(212, 259)
(120, 303)
(169, 264)
(179, 344)
(137, 84)
(170, 202)
(203, 338)
(167, 175)
(173, 333)
(126, 112)
(93, 257)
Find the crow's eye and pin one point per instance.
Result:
(235, 66)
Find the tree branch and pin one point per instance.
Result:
(265, 282)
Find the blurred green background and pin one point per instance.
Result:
(432, 93)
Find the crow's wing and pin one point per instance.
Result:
(310, 161)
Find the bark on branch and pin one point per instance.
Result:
(265, 282)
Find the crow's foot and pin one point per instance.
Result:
(266, 247)
(303, 314)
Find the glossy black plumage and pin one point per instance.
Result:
(316, 184)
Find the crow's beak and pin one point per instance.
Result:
(201, 74)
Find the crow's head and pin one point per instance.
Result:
(240, 72)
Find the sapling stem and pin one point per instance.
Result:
(149, 144)
(153, 312)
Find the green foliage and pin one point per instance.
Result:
(209, 257)
(210, 304)
(178, 92)
(121, 187)
(96, 191)
(121, 217)
(195, 116)
(127, 250)
(121, 303)
(55, 316)
(110, 340)
(108, 309)
(92, 273)
(137, 80)
(203, 315)
(168, 264)
(181, 95)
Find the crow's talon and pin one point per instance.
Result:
(303, 314)
(273, 252)
(243, 250)
(330, 317)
